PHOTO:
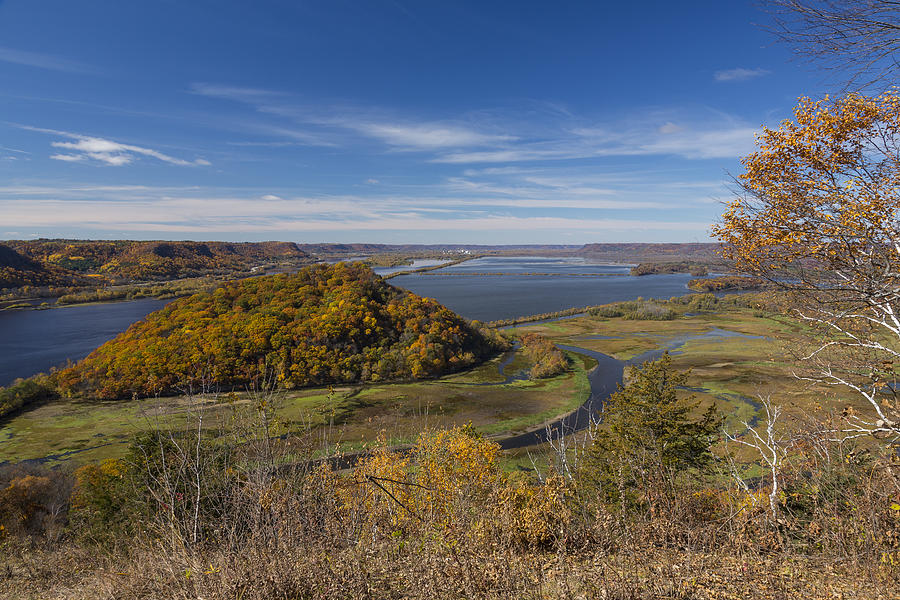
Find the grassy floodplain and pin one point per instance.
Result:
(734, 355)
(751, 358)
(351, 416)
(727, 369)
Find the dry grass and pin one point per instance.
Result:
(446, 522)
(388, 571)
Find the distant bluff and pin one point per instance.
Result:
(324, 324)
(18, 270)
(154, 260)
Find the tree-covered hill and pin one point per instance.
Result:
(325, 324)
(143, 261)
(17, 270)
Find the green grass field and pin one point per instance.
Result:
(730, 371)
(349, 416)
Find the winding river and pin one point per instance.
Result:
(604, 380)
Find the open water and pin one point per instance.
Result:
(32, 341)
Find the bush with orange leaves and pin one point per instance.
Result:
(535, 515)
(33, 500)
(548, 359)
(428, 483)
(450, 482)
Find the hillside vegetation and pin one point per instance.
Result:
(727, 283)
(144, 261)
(653, 268)
(17, 270)
(325, 324)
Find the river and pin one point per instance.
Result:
(32, 341)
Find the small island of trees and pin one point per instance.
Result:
(325, 324)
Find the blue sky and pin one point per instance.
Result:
(382, 121)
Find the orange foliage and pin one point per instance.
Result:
(821, 188)
(325, 324)
(548, 359)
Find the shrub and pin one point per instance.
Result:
(33, 500)
(548, 359)
(26, 393)
(607, 311)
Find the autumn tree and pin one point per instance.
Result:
(816, 214)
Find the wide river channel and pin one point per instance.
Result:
(487, 289)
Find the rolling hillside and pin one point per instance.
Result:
(156, 260)
(325, 324)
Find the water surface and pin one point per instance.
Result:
(35, 341)
(32, 341)
(536, 264)
(489, 298)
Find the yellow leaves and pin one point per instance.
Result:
(426, 484)
(831, 173)
(534, 513)
(447, 483)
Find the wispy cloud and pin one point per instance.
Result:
(398, 133)
(16, 150)
(493, 136)
(108, 152)
(181, 215)
(511, 155)
(45, 61)
(232, 92)
(202, 211)
(427, 136)
(712, 140)
(739, 74)
(669, 128)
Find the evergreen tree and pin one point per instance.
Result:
(649, 438)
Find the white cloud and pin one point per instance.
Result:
(726, 140)
(739, 74)
(230, 92)
(371, 123)
(372, 181)
(729, 142)
(44, 61)
(670, 127)
(68, 157)
(511, 155)
(535, 203)
(426, 136)
(495, 171)
(106, 151)
(216, 214)
(16, 150)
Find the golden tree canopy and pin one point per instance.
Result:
(821, 191)
(817, 213)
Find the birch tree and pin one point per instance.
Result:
(817, 213)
